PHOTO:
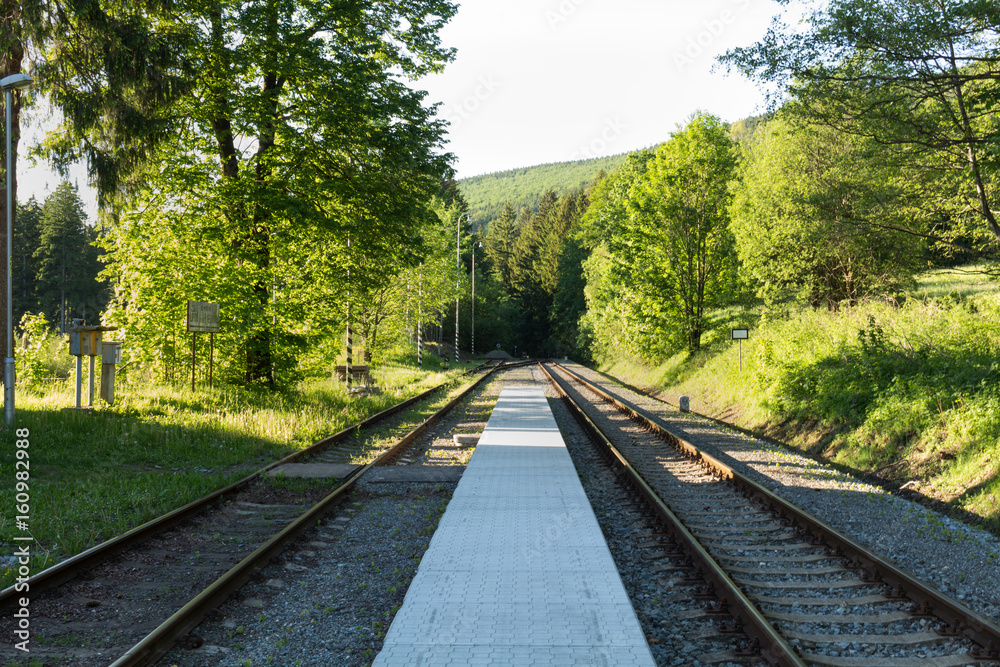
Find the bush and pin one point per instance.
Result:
(33, 359)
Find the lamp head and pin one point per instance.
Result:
(16, 82)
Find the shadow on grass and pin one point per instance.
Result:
(97, 473)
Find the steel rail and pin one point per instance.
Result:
(773, 647)
(159, 642)
(957, 617)
(71, 567)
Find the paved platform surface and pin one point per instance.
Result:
(518, 572)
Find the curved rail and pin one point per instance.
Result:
(158, 642)
(959, 619)
(85, 560)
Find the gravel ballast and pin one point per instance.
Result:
(958, 559)
(329, 599)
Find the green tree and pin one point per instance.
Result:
(607, 327)
(539, 262)
(315, 139)
(24, 266)
(922, 76)
(13, 43)
(674, 251)
(568, 302)
(684, 247)
(816, 214)
(67, 260)
(610, 196)
(501, 235)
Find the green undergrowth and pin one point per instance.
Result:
(97, 473)
(906, 389)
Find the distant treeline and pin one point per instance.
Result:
(487, 194)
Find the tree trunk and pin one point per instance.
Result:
(256, 240)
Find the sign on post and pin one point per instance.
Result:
(741, 335)
(202, 317)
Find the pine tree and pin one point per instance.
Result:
(24, 267)
(67, 261)
(501, 234)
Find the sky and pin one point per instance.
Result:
(540, 81)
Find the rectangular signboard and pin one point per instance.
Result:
(202, 317)
(741, 334)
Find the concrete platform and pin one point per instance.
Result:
(518, 572)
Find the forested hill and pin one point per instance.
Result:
(524, 187)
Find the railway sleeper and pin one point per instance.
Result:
(991, 652)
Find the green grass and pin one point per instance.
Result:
(97, 473)
(907, 389)
(963, 281)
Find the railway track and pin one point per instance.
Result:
(803, 593)
(112, 600)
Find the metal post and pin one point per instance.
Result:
(474, 246)
(347, 367)
(349, 347)
(194, 337)
(211, 356)
(420, 311)
(90, 380)
(458, 270)
(8, 362)
(79, 381)
(472, 345)
(10, 83)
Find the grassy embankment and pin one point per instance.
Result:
(100, 472)
(906, 391)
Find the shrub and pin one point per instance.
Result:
(36, 347)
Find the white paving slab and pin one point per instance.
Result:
(518, 572)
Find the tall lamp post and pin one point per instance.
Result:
(458, 271)
(476, 245)
(9, 85)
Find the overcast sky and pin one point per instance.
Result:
(538, 81)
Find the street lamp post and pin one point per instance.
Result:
(9, 85)
(458, 271)
(476, 245)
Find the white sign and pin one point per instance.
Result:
(202, 317)
(741, 334)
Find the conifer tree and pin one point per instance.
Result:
(499, 243)
(67, 261)
(24, 266)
